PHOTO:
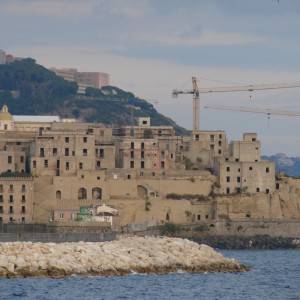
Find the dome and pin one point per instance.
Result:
(5, 115)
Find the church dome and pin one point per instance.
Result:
(5, 115)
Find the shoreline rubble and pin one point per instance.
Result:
(147, 255)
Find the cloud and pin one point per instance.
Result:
(57, 8)
(62, 8)
(207, 38)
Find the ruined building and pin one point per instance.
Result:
(50, 168)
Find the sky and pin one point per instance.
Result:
(150, 47)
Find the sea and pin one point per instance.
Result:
(275, 274)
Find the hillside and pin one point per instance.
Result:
(29, 88)
(288, 165)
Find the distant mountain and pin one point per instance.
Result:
(288, 165)
(29, 88)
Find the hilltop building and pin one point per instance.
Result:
(50, 169)
(83, 79)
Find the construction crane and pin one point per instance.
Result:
(196, 91)
(265, 111)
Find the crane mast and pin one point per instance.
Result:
(196, 91)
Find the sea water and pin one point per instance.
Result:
(274, 275)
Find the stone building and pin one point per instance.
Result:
(242, 170)
(140, 170)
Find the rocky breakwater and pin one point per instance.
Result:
(120, 257)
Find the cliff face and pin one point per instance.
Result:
(29, 88)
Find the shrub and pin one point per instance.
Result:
(170, 229)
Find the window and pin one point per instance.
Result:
(250, 168)
(85, 139)
(238, 179)
(11, 188)
(80, 165)
(132, 145)
(61, 215)
(58, 195)
(257, 190)
(132, 164)
(237, 159)
(23, 219)
(142, 164)
(101, 153)
(9, 159)
(228, 178)
(277, 186)
(1, 198)
(34, 164)
(142, 145)
(82, 194)
(228, 169)
(23, 199)
(21, 159)
(197, 137)
(220, 151)
(67, 151)
(128, 176)
(1, 209)
(226, 159)
(46, 163)
(67, 166)
(267, 170)
(98, 164)
(84, 152)
(11, 198)
(54, 151)
(212, 137)
(220, 143)
(5, 126)
(142, 155)
(42, 152)
(23, 188)
(212, 147)
(131, 154)
(238, 190)
(253, 139)
(11, 209)
(97, 193)
(67, 139)
(198, 217)
(228, 191)
(23, 210)
(162, 164)
(220, 136)
(239, 170)
(267, 191)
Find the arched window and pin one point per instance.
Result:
(97, 193)
(58, 195)
(82, 194)
(167, 217)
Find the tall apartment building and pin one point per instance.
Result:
(83, 79)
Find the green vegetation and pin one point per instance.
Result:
(28, 88)
(174, 196)
(169, 229)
